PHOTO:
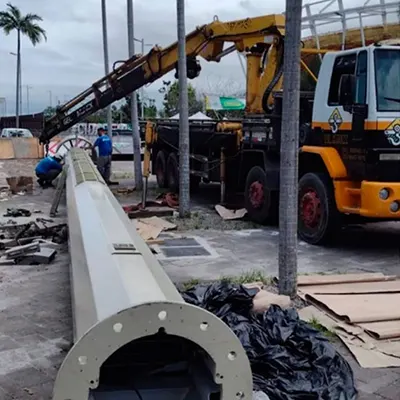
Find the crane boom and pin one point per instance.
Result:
(207, 41)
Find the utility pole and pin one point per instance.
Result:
(50, 98)
(134, 109)
(184, 172)
(106, 61)
(27, 98)
(288, 203)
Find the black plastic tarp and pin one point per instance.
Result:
(290, 359)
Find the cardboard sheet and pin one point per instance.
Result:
(359, 308)
(150, 228)
(369, 353)
(383, 330)
(304, 280)
(388, 286)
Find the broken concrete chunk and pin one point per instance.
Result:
(263, 300)
(43, 256)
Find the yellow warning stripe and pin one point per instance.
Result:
(347, 126)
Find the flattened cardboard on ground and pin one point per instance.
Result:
(368, 352)
(392, 286)
(304, 280)
(150, 228)
(383, 330)
(227, 214)
(359, 308)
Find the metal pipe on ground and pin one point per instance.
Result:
(134, 336)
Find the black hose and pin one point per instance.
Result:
(273, 82)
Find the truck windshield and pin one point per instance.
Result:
(387, 68)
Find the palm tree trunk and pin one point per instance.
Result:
(184, 173)
(289, 151)
(134, 106)
(18, 89)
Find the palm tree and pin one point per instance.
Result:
(289, 151)
(13, 20)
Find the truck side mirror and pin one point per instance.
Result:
(347, 88)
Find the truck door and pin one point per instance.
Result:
(347, 122)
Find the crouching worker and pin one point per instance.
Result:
(48, 169)
(104, 144)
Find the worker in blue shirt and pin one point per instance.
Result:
(104, 144)
(48, 169)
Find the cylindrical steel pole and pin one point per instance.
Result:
(134, 109)
(184, 172)
(123, 302)
(106, 61)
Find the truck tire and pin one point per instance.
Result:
(173, 172)
(257, 196)
(319, 218)
(161, 169)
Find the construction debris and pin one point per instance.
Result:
(152, 209)
(17, 212)
(361, 309)
(20, 184)
(150, 228)
(227, 214)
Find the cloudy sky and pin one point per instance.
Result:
(71, 59)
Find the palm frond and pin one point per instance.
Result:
(29, 18)
(34, 32)
(14, 11)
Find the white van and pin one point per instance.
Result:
(16, 132)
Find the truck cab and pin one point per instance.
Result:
(356, 133)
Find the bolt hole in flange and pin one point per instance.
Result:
(162, 315)
(232, 356)
(204, 326)
(240, 395)
(82, 360)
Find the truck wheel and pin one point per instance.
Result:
(173, 172)
(161, 169)
(319, 218)
(257, 196)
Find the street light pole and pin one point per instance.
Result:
(50, 98)
(106, 61)
(143, 44)
(27, 98)
(184, 172)
(134, 111)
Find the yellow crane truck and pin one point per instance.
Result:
(349, 164)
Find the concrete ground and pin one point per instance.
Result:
(35, 314)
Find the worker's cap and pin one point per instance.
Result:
(101, 129)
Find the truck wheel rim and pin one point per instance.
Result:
(256, 195)
(310, 209)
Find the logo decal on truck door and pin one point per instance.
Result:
(335, 120)
(392, 132)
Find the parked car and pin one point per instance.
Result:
(16, 132)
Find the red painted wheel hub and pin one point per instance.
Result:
(256, 194)
(310, 208)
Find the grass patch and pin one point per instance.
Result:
(314, 322)
(248, 277)
(190, 284)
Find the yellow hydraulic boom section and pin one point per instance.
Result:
(261, 38)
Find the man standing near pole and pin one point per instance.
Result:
(184, 172)
(134, 108)
(289, 151)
